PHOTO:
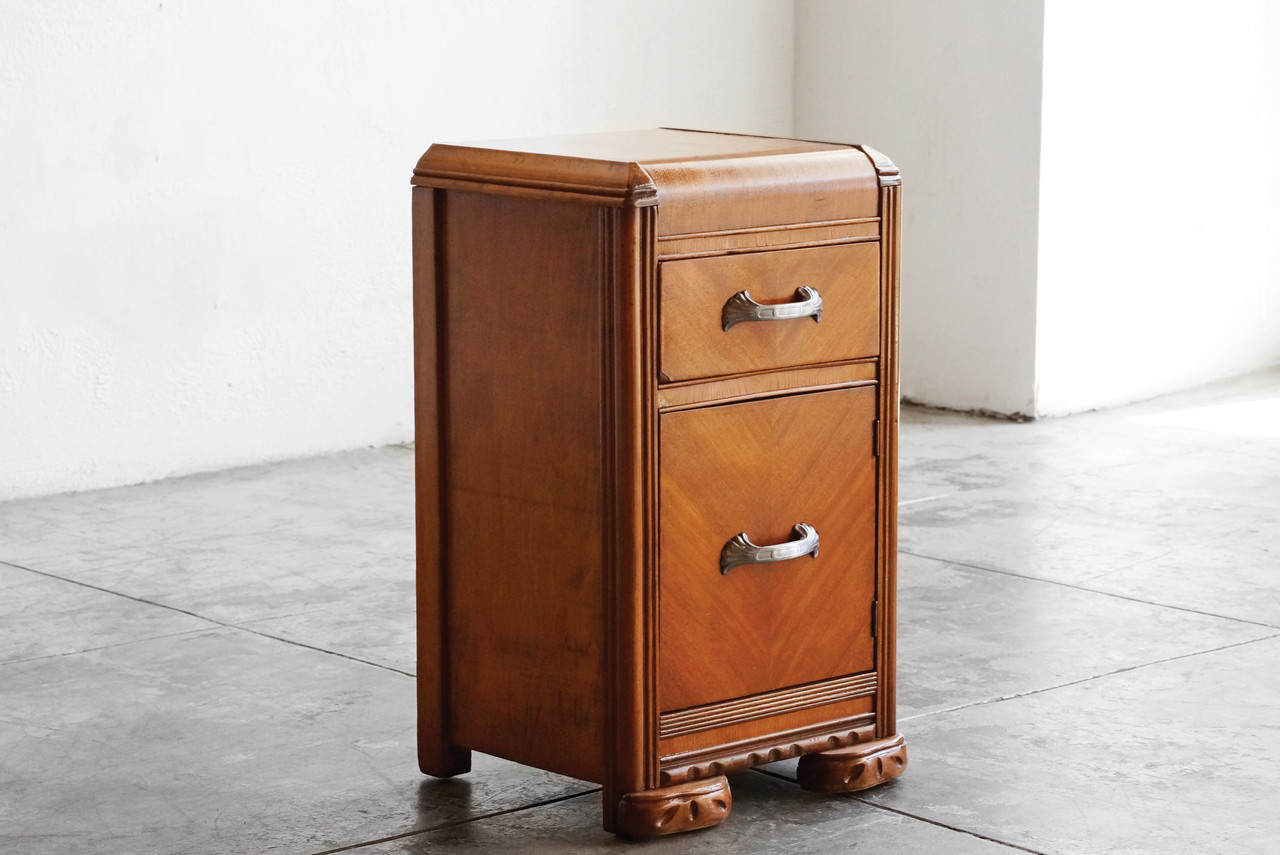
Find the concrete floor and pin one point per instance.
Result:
(1089, 659)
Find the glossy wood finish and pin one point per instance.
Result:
(694, 291)
(572, 499)
(859, 767)
(668, 810)
(761, 467)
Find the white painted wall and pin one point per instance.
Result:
(204, 216)
(1159, 254)
(951, 92)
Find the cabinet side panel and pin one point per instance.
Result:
(523, 527)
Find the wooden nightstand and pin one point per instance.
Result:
(657, 411)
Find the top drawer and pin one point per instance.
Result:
(695, 292)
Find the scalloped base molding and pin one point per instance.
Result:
(670, 810)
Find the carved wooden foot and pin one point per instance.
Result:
(669, 810)
(844, 770)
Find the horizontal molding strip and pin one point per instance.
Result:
(607, 194)
(712, 247)
(744, 387)
(767, 704)
(858, 221)
(765, 238)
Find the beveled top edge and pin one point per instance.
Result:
(652, 146)
(608, 182)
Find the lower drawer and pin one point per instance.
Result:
(759, 469)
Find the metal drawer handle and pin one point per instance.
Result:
(740, 308)
(739, 550)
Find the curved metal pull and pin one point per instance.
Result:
(739, 550)
(740, 308)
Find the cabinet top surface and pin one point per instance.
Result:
(653, 146)
(703, 181)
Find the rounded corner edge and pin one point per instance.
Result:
(885, 168)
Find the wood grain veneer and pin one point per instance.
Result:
(761, 467)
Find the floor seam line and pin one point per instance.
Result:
(162, 635)
(1090, 679)
(306, 646)
(120, 594)
(213, 474)
(456, 822)
(1075, 587)
(861, 800)
(214, 621)
(184, 540)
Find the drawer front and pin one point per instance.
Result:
(695, 292)
(761, 468)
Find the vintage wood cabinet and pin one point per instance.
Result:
(657, 409)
